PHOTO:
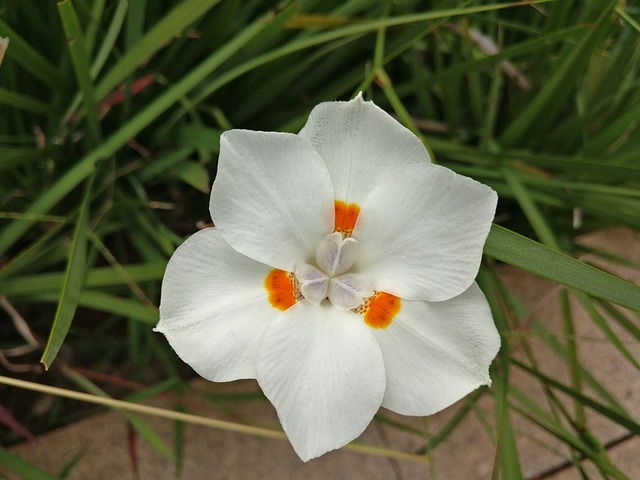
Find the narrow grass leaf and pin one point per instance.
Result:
(172, 24)
(31, 60)
(80, 60)
(551, 97)
(522, 252)
(72, 284)
(613, 415)
(23, 102)
(142, 427)
(22, 467)
(87, 164)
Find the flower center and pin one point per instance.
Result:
(329, 278)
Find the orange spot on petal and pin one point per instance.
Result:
(380, 309)
(281, 288)
(346, 216)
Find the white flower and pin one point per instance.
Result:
(340, 275)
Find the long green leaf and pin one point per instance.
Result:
(22, 467)
(23, 102)
(613, 415)
(522, 252)
(72, 285)
(80, 59)
(30, 59)
(173, 23)
(86, 165)
(559, 85)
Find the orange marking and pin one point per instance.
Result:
(346, 216)
(281, 288)
(380, 309)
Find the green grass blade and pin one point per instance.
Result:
(22, 467)
(613, 415)
(73, 281)
(110, 38)
(23, 102)
(522, 252)
(508, 458)
(551, 97)
(140, 425)
(86, 165)
(30, 59)
(173, 23)
(80, 60)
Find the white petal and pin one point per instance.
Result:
(360, 143)
(272, 198)
(436, 353)
(421, 232)
(214, 307)
(322, 369)
(314, 284)
(335, 255)
(348, 291)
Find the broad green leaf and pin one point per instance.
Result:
(194, 174)
(73, 280)
(522, 252)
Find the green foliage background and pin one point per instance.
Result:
(111, 115)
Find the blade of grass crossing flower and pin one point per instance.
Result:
(80, 60)
(73, 281)
(559, 85)
(104, 302)
(23, 468)
(522, 252)
(97, 277)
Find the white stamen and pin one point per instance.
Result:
(335, 256)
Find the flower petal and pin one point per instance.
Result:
(360, 143)
(214, 307)
(322, 369)
(436, 353)
(272, 198)
(421, 232)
